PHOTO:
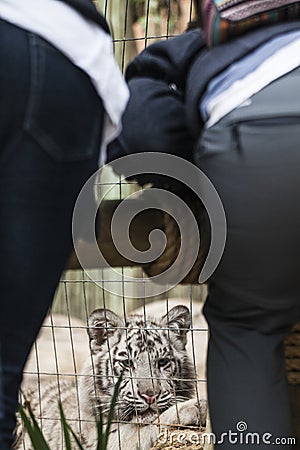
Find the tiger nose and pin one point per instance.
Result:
(149, 396)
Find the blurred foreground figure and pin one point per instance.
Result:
(62, 97)
(234, 110)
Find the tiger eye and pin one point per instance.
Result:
(127, 363)
(163, 362)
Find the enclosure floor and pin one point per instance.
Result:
(176, 444)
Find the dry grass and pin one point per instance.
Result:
(183, 438)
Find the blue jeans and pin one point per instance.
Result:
(51, 124)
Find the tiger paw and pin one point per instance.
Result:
(191, 412)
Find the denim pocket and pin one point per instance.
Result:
(64, 113)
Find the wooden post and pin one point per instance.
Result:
(295, 405)
(118, 15)
(141, 226)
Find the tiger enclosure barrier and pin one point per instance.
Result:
(63, 347)
(140, 228)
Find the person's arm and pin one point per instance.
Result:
(154, 120)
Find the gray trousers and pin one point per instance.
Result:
(252, 156)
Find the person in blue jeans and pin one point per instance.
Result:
(51, 131)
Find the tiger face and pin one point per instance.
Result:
(151, 355)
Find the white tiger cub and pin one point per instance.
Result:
(157, 389)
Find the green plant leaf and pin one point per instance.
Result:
(100, 433)
(76, 439)
(38, 440)
(65, 427)
(33, 429)
(67, 430)
(112, 410)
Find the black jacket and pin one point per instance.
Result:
(88, 10)
(166, 82)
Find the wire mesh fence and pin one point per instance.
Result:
(160, 372)
(79, 353)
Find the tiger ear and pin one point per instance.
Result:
(102, 324)
(178, 320)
